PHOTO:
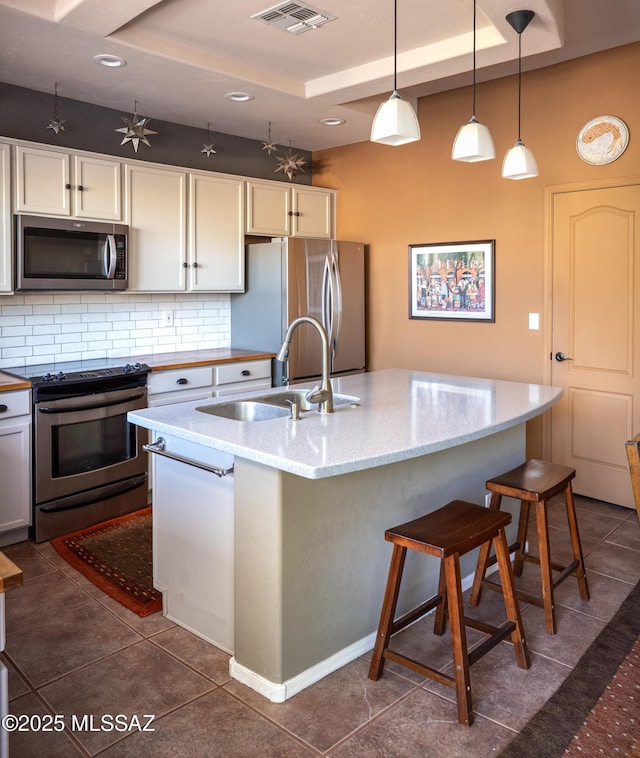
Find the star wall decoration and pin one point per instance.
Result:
(135, 130)
(56, 124)
(208, 149)
(270, 146)
(290, 164)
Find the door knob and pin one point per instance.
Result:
(561, 357)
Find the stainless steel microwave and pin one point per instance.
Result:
(69, 254)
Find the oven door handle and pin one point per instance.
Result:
(91, 406)
(159, 448)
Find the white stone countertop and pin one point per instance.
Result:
(399, 415)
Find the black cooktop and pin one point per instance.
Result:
(78, 371)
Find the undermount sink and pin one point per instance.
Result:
(286, 397)
(265, 407)
(245, 410)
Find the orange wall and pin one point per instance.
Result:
(391, 197)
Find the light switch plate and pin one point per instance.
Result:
(534, 321)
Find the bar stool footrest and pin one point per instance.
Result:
(419, 668)
(415, 614)
(504, 630)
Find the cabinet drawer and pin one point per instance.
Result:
(227, 373)
(238, 388)
(179, 379)
(16, 403)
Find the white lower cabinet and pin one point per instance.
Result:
(15, 465)
(247, 376)
(193, 536)
(179, 385)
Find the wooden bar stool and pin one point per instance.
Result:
(535, 482)
(448, 533)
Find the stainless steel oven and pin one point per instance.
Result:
(89, 462)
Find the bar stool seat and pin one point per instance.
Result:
(448, 533)
(535, 482)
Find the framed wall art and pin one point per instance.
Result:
(454, 281)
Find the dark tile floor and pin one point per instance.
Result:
(73, 651)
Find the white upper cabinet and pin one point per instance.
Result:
(6, 268)
(216, 234)
(277, 210)
(55, 183)
(156, 211)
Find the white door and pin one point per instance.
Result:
(595, 349)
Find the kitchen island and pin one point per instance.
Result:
(312, 499)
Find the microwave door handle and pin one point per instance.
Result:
(110, 256)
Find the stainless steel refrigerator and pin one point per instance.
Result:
(292, 277)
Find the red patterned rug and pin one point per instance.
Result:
(116, 556)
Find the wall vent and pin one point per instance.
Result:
(294, 18)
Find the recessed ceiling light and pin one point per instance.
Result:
(239, 97)
(332, 121)
(110, 61)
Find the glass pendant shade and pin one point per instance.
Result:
(395, 122)
(473, 143)
(519, 163)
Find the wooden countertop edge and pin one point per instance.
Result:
(10, 574)
(9, 382)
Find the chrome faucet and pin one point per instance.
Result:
(323, 395)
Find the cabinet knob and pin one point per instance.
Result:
(246, 372)
(80, 188)
(297, 213)
(4, 408)
(195, 264)
(182, 380)
(67, 186)
(290, 213)
(185, 265)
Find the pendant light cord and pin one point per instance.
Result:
(395, 45)
(519, 79)
(474, 60)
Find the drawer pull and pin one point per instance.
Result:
(182, 380)
(4, 408)
(246, 372)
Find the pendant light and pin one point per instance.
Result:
(395, 122)
(519, 162)
(473, 141)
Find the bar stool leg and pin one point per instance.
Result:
(575, 542)
(440, 623)
(545, 567)
(483, 557)
(523, 525)
(387, 615)
(458, 639)
(510, 599)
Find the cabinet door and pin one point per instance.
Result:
(216, 234)
(15, 474)
(97, 188)
(312, 213)
(156, 213)
(6, 268)
(268, 209)
(42, 182)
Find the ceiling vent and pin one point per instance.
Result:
(294, 18)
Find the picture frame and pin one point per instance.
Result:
(452, 281)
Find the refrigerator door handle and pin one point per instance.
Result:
(327, 299)
(337, 303)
